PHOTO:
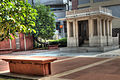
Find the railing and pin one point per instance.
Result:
(89, 11)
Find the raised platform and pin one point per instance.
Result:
(5, 51)
(90, 49)
(31, 66)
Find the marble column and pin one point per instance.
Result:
(108, 32)
(110, 28)
(104, 31)
(99, 25)
(74, 28)
(68, 28)
(77, 40)
(90, 23)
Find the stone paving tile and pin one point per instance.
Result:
(113, 53)
(107, 71)
(29, 52)
(59, 67)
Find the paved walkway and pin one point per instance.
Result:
(114, 53)
(79, 68)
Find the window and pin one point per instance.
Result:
(95, 27)
(83, 1)
(71, 29)
(99, 0)
(115, 10)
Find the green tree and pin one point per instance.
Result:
(45, 23)
(16, 16)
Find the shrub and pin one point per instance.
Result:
(61, 42)
(53, 42)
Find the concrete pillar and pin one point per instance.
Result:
(90, 23)
(74, 28)
(25, 43)
(10, 41)
(77, 40)
(104, 31)
(68, 32)
(99, 25)
(108, 32)
(110, 28)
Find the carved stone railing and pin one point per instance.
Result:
(88, 12)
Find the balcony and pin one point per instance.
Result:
(88, 12)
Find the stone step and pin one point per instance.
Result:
(89, 49)
(80, 49)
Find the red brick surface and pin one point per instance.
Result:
(13, 43)
(6, 44)
(106, 71)
(22, 47)
(59, 67)
(5, 52)
(29, 42)
(53, 47)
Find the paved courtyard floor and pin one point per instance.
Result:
(74, 66)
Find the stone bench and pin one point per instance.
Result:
(5, 51)
(31, 66)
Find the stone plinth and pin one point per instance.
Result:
(31, 66)
(5, 51)
(53, 47)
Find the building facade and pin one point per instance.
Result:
(91, 22)
(113, 5)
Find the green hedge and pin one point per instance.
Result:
(61, 42)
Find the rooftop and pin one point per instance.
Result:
(88, 12)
